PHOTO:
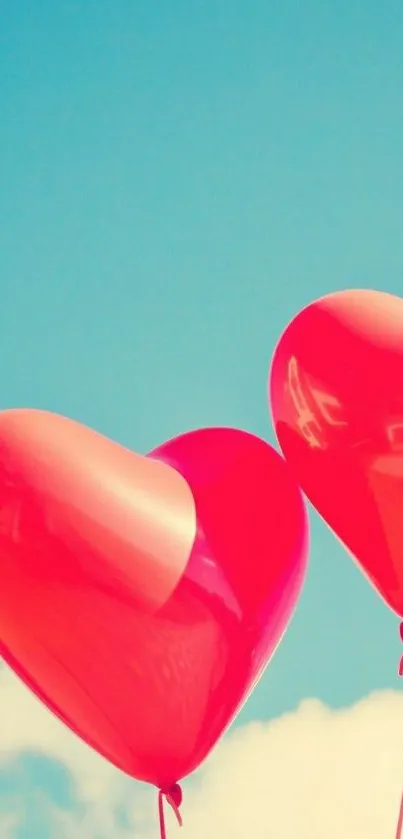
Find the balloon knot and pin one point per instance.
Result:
(400, 670)
(173, 796)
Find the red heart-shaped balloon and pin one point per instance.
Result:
(141, 597)
(336, 395)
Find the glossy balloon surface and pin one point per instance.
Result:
(141, 597)
(336, 392)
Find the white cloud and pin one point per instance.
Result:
(310, 774)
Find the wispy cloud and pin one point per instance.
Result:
(312, 773)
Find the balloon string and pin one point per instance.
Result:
(399, 829)
(173, 796)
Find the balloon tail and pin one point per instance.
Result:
(400, 670)
(173, 796)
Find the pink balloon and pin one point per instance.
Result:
(142, 597)
(337, 404)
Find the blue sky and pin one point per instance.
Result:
(176, 180)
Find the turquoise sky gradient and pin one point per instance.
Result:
(177, 179)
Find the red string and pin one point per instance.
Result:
(399, 829)
(173, 796)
